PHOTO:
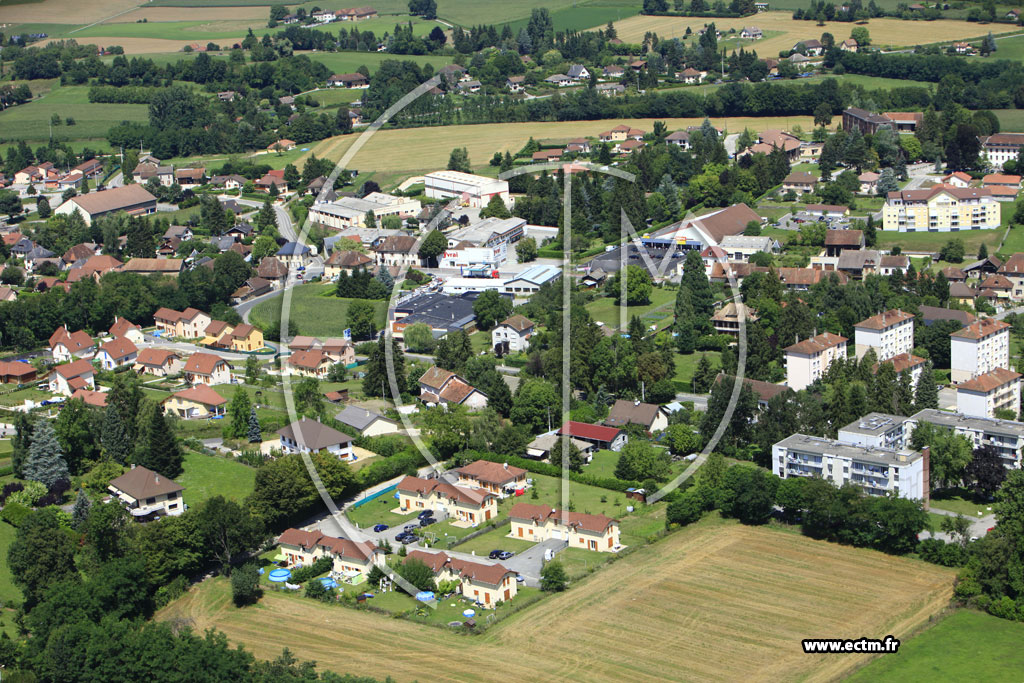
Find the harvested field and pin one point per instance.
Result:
(788, 32)
(151, 14)
(427, 149)
(68, 11)
(716, 601)
(143, 46)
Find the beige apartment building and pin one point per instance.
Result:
(889, 334)
(809, 359)
(941, 209)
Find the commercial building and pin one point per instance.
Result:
(865, 121)
(878, 471)
(440, 312)
(986, 394)
(703, 231)
(489, 232)
(941, 209)
(808, 360)
(981, 347)
(471, 190)
(889, 333)
(350, 212)
(1002, 147)
(133, 199)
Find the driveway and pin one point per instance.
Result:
(979, 526)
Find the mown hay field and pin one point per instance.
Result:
(65, 11)
(416, 150)
(716, 601)
(788, 32)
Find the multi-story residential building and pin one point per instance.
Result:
(1005, 436)
(809, 359)
(514, 331)
(981, 347)
(878, 471)
(303, 548)
(889, 333)
(984, 395)
(941, 209)
(312, 436)
(579, 530)
(468, 506)
(1002, 147)
(867, 122)
(877, 430)
(484, 584)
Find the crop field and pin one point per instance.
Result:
(427, 149)
(884, 32)
(191, 31)
(584, 15)
(715, 601)
(320, 316)
(69, 11)
(937, 654)
(31, 121)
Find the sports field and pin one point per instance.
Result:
(884, 32)
(715, 601)
(427, 149)
(966, 645)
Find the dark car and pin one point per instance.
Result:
(406, 539)
(505, 555)
(425, 514)
(427, 521)
(380, 527)
(494, 554)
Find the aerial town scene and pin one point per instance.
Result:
(466, 340)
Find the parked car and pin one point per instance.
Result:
(406, 538)
(425, 514)
(427, 521)
(494, 554)
(380, 527)
(410, 527)
(520, 578)
(505, 555)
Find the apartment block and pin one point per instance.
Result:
(889, 334)
(942, 208)
(1005, 436)
(986, 394)
(878, 471)
(809, 359)
(981, 347)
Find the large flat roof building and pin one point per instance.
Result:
(133, 199)
(472, 190)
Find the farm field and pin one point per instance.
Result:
(319, 316)
(884, 32)
(207, 476)
(427, 149)
(69, 11)
(347, 62)
(746, 594)
(584, 15)
(937, 654)
(31, 121)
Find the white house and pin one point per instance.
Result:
(117, 352)
(311, 436)
(515, 331)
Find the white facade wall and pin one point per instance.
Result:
(972, 357)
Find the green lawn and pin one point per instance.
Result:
(31, 121)
(9, 593)
(18, 397)
(965, 646)
(314, 309)
(496, 539)
(607, 310)
(378, 511)
(348, 62)
(687, 365)
(603, 464)
(954, 500)
(1014, 239)
(933, 241)
(206, 476)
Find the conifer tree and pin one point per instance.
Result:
(45, 462)
(80, 511)
(255, 435)
(160, 452)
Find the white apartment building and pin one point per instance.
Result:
(808, 360)
(1005, 436)
(941, 209)
(889, 334)
(1002, 147)
(983, 395)
(878, 430)
(981, 347)
(472, 190)
(878, 471)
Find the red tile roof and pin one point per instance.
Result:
(203, 363)
(541, 513)
(74, 369)
(884, 320)
(155, 357)
(583, 430)
(989, 381)
(491, 472)
(119, 348)
(203, 394)
(823, 341)
(426, 487)
(981, 328)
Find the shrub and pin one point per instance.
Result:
(321, 566)
(245, 589)
(14, 513)
(29, 495)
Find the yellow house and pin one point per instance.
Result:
(942, 208)
(245, 337)
(197, 401)
(313, 363)
(589, 532)
(484, 584)
(305, 547)
(217, 334)
(470, 506)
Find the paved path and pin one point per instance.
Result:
(700, 401)
(979, 525)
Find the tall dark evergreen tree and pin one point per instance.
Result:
(45, 462)
(161, 452)
(255, 435)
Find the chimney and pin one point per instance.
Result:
(505, 465)
(926, 456)
(156, 478)
(133, 466)
(636, 401)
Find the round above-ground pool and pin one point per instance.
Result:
(468, 613)
(328, 583)
(425, 596)
(280, 575)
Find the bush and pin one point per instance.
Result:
(14, 513)
(321, 566)
(245, 588)
(29, 495)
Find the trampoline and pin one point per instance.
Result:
(280, 575)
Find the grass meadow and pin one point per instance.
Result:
(207, 476)
(31, 121)
(965, 645)
(314, 309)
(746, 594)
(9, 593)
